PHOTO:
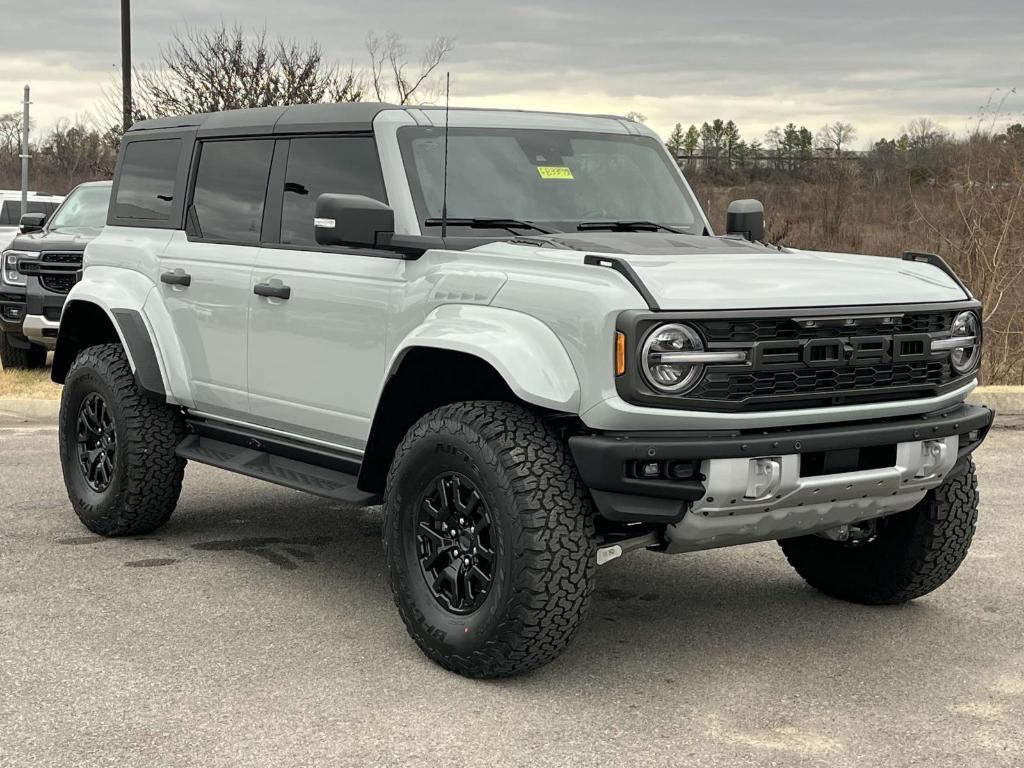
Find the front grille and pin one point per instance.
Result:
(797, 385)
(62, 278)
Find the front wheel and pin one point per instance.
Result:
(489, 539)
(909, 554)
(16, 357)
(117, 447)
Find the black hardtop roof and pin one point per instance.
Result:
(301, 118)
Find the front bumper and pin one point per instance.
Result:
(737, 487)
(42, 317)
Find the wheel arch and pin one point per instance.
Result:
(466, 353)
(85, 323)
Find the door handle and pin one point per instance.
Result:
(274, 290)
(177, 277)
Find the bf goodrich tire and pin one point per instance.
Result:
(912, 553)
(13, 357)
(117, 447)
(489, 539)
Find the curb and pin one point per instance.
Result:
(1006, 401)
(28, 411)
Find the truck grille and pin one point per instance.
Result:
(58, 271)
(779, 375)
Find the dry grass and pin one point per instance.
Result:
(28, 385)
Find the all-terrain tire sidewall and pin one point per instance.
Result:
(428, 457)
(543, 519)
(147, 475)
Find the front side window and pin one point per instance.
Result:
(343, 165)
(145, 187)
(85, 208)
(231, 189)
(557, 178)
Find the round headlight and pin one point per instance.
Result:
(965, 358)
(663, 344)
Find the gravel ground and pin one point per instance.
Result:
(256, 629)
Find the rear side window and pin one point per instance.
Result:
(231, 188)
(344, 165)
(145, 188)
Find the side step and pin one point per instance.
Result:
(289, 472)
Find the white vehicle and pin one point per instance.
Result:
(520, 333)
(40, 206)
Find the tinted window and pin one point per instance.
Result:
(11, 214)
(231, 187)
(145, 188)
(346, 165)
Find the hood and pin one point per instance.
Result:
(686, 272)
(68, 240)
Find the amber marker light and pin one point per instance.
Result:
(620, 353)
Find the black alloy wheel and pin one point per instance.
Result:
(455, 552)
(97, 442)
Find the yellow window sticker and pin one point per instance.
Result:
(554, 172)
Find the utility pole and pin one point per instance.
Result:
(126, 63)
(24, 154)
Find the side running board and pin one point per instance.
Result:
(276, 461)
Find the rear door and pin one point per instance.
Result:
(206, 270)
(316, 358)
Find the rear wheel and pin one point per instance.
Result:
(16, 357)
(907, 555)
(117, 447)
(489, 539)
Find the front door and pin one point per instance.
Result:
(319, 318)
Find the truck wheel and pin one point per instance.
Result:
(117, 447)
(489, 539)
(910, 554)
(14, 357)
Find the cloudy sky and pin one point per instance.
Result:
(759, 62)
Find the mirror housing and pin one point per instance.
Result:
(353, 220)
(746, 218)
(32, 222)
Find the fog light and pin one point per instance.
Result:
(12, 313)
(650, 469)
(764, 476)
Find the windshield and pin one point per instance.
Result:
(559, 179)
(86, 207)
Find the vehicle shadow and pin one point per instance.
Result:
(653, 617)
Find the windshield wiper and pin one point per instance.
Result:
(626, 226)
(484, 223)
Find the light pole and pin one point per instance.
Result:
(126, 63)
(24, 153)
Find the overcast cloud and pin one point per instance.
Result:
(758, 62)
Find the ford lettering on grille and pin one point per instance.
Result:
(840, 352)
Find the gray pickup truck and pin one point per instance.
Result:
(518, 332)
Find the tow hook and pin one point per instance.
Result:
(610, 552)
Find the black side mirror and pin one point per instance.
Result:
(32, 222)
(353, 220)
(745, 217)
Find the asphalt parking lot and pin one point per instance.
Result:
(256, 629)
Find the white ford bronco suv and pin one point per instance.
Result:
(519, 333)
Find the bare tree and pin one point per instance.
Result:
(390, 76)
(833, 137)
(636, 117)
(208, 70)
(10, 134)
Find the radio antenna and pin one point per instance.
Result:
(444, 192)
